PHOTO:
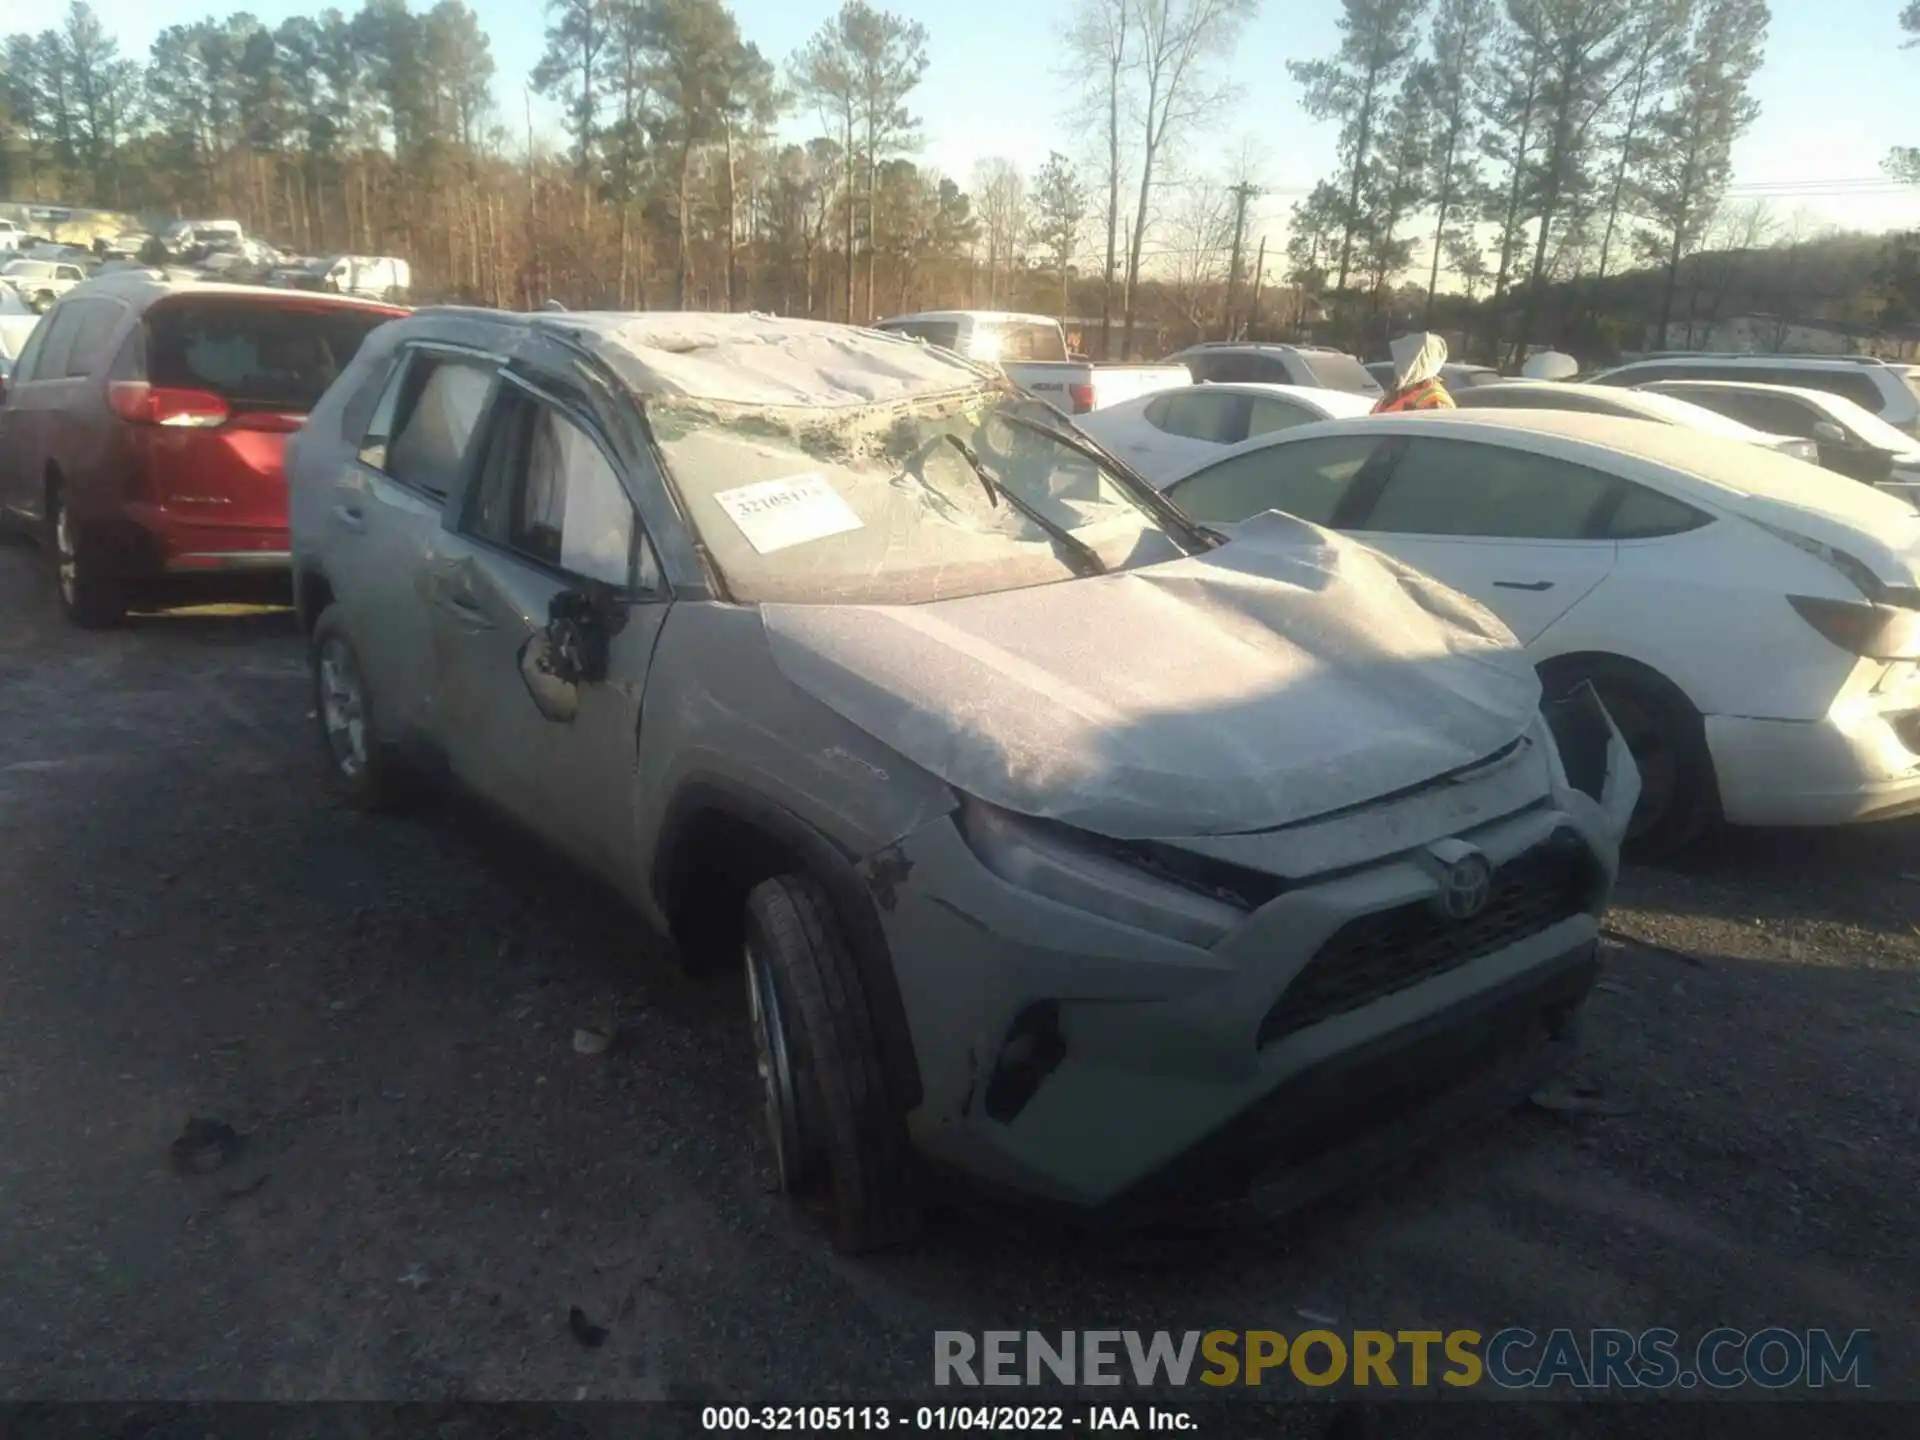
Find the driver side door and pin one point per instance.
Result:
(546, 516)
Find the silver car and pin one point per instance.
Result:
(1062, 842)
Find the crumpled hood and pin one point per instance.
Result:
(1287, 674)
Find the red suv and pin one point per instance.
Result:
(142, 431)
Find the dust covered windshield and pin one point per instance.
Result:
(878, 505)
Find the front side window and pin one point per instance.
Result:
(1770, 414)
(424, 424)
(1459, 487)
(1308, 479)
(1267, 414)
(903, 502)
(547, 491)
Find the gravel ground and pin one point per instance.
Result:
(431, 1178)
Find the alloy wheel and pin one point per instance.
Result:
(343, 708)
(66, 559)
(774, 1060)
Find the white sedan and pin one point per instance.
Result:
(1659, 409)
(1752, 627)
(1161, 434)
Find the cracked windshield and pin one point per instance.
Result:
(893, 504)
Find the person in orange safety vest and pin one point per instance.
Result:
(1417, 359)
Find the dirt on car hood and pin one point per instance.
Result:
(1285, 675)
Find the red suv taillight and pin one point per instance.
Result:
(1081, 397)
(146, 404)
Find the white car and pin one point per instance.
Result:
(1162, 435)
(1845, 437)
(1889, 392)
(40, 282)
(1661, 409)
(1753, 628)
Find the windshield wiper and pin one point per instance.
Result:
(1089, 561)
(1151, 501)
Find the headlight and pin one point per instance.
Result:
(1083, 871)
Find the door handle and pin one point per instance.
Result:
(1523, 584)
(350, 516)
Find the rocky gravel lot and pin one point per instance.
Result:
(430, 1179)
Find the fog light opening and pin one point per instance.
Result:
(1032, 1051)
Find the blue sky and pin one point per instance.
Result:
(1831, 91)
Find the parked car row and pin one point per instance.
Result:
(1104, 804)
(805, 638)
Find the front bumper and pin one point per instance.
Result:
(1184, 1071)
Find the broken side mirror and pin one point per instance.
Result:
(581, 625)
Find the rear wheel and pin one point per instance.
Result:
(90, 595)
(356, 765)
(1679, 798)
(829, 1114)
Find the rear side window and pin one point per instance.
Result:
(1308, 480)
(1458, 487)
(1856, 385)
(1339, 372)
(55, 336)
(944, 333)
(98, 320)
(1771, 414)
(1031, 342)
(255, 355)
(1645, 514)
(1199, 415)
(424, 425)
(1242, 368)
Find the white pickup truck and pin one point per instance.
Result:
(1032, 351)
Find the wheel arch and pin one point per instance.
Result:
(718, 839)
(312, 594)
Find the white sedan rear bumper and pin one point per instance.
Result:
(1857, 763)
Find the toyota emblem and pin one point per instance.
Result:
(1467, 887)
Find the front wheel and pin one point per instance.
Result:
(1678, 792)
(829, 1114)
(41, 302)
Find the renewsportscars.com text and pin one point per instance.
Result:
(1773, 1358)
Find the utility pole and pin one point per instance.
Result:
(1243, 194)
(1259, 274)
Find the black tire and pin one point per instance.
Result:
(91, 595)
(841, 1130)
(357, 765)
(41, 302)
(1679, 795)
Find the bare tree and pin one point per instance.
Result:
(1378, 39)
(1693, 132)
(1000, 200)
(1458, 42)
(1179, 41)
(1198, 233)
(1100, 42)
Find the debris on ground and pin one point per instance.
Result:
(204, 1145)
(416, 1278)
(1577, 1100)
(252, 1187)
(584, 1330)
(1318, 1317)
(588, 1040)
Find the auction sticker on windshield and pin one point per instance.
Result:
(778, 514)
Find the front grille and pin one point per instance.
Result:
(1391, 950)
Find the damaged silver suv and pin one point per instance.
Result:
(1063, 843)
